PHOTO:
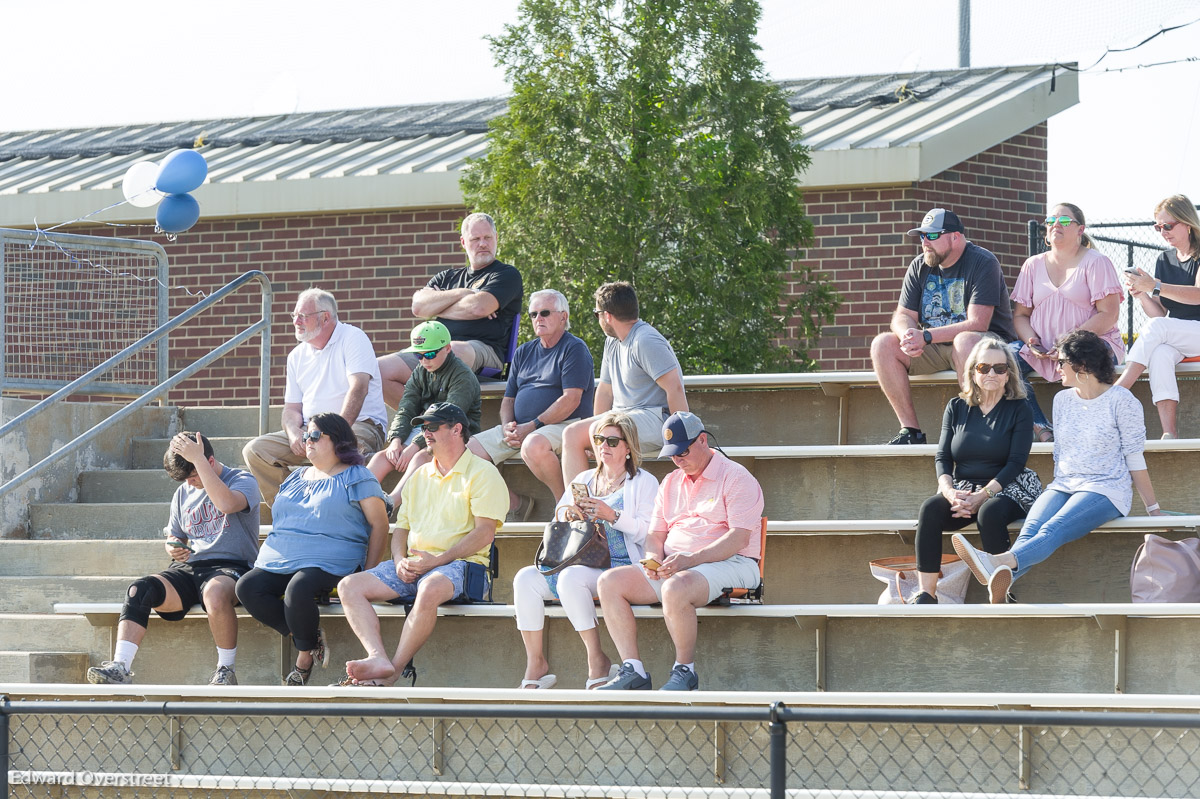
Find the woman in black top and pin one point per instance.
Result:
(986, 434)
(1171, 298)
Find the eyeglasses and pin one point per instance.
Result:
(998, 368)
(429, 356)
(931, 236)
(1065, 221)
(432, 427)
(297, 317)
(1167, 226)
(542, 313)
(314, 436)
(596, 312)
(683, 454)
(1063, 362)
(612, 441)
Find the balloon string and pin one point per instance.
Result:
(81, 261)
(80, 219)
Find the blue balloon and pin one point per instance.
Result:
(181, 171)
(177, 213)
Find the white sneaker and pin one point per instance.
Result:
(982, 565)
(111, 672)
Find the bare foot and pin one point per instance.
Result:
(372, 668)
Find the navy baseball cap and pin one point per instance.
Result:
(679, 432)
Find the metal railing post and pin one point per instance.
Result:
(1129, 300)
(778, 747)
(264, 363)
(3, 746)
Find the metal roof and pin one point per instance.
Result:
(862, 130)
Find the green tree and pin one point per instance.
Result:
(643, 142)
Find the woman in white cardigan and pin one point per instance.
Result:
(621, 497)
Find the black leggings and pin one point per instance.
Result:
(994, 516)
(287, 603)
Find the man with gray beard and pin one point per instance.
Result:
(332, 369)
(953, 292)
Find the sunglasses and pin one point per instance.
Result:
(314, 436)
(596, 312)
(1167, 226)
(683, 454)
(612, 441)
(542, 313)
(931, 236)
(432, 427)
(1065, 221)
(1063, 362)
(429, 356)
(998, 368)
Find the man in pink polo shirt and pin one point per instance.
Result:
(703, 537)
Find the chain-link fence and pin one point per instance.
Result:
(285, 749)
(1128, 244)
(68, 303)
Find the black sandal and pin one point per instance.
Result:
(298, 677)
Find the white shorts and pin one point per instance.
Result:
(736, 572)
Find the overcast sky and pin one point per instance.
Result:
(1133, 139)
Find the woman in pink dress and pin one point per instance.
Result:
(1069, 287)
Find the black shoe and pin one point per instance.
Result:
(923, 598)
(909, 435)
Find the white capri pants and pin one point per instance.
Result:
(1162, 344)
(576, 591)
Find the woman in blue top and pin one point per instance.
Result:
(329, 520)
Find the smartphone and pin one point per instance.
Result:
(1132, 271)
(579, 492)
(180, 544)
(651, 564)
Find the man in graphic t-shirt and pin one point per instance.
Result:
(953, 291)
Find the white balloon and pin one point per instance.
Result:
(138, 184)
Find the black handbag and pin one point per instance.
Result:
(572, 543)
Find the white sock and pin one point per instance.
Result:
(124, 652)
(689, 666)
(638, 667)
(225, 657)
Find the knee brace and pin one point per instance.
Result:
(142, 597)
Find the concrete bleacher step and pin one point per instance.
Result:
(81, 557)
(87, 520)
(43, 667)
(39, 593)
(29, 632)
(126, 485)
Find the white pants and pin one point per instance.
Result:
(1163, 343)
(576, 590)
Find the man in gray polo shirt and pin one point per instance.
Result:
(639, 375)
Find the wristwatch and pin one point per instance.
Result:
(1157, 289)
(927, 336)
(538, 424)
(616, 516)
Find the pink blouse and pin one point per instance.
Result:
(1057, 311)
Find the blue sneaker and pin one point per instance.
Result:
(627, 680)
(682, 679)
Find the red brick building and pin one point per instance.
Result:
(366, 203)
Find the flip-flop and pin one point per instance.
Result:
(549, 681)
(350, 682)
(598, 681)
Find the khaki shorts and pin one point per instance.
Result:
(485, 357)
(492, 440)
(934, 358)
(736, 572)
(649, 425)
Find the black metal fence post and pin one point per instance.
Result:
(3, 746)
(778, 732)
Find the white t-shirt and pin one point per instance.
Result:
(318, 379)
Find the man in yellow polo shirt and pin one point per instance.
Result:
(444, 529)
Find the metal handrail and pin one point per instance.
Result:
(263, 326)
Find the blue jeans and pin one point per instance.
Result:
(1058, 518)
(1039, 418)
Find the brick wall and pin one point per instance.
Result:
(372, 262)
(861, 242)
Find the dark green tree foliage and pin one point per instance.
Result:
(644, 143)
